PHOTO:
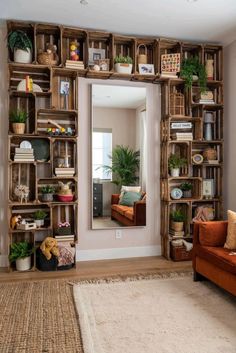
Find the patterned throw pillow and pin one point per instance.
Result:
(129, 198)
(129, 188)
(231, 233)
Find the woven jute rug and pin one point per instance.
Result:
(38, 317)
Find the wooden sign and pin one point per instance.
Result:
(170, 64)
(181, 125)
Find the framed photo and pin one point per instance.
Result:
(146, 69)
(208, 191)
(65, 88)
(96, 54)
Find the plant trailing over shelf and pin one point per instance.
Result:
(175, 161)
(177, 216)
(20, 250)
(186, 186)
(18, 116)
(124, 165)
(39, 215)
(191, 67)
(19, 40)
(120, 59)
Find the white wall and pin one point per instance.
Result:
(94, 244)
(230, 127)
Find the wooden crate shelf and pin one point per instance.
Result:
(45, 35)
(74, 34)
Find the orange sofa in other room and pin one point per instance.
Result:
(210, 258)
(128, 216)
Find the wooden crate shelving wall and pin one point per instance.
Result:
(49, 106)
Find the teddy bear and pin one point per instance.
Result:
(49, 247)
(52, 49)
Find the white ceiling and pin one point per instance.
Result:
(201, 20)
(109, 96)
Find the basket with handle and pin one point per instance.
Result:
(142, 58)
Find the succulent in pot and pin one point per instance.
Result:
(175, 162)
(21, 45)
(123, 64)
(39, 217)
(177, 220)
(18, 119)
(47, 193)
(20, 253)
(187, 189)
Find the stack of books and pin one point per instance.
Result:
(206, 101)
(24, 155)
(64, 238)
(176, 235)
(65, 172)
(72, 64)
(182, 136)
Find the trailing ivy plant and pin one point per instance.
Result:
(19, 40)
(123, 59)
(192, 67)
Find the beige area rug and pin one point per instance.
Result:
(173, 315)
(38, 317)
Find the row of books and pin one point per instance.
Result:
(182, 136)
(65, 172)
(72, 64)
(24, 155)
(65, 238)
(206, 101)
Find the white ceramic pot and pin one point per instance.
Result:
(175, 172)
(22, 56)
(123, 68)
(39, 222)
(23, 264)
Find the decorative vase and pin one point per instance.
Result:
(177, 226)
(210, 69)
(23, 264)
(23, 56)
(123, 68)
(208, 132)
(47, 197)
(18, 128)
(175, 172)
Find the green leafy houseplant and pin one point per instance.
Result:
(19, 40)
(175, 162)
(186, 186)
(48, 189)
(20, 250)
(18, 116)
(192, 67)
(124, 165)
(123, 59)
(39, 215)
(177, 216)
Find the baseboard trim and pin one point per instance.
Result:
(4, 261)
(117, 253)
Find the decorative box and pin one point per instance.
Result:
(179, 253)
(63, 229)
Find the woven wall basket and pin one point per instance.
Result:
(47, 59)
(142, 58)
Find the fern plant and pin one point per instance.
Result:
(19, 40)
(18, 116)
(177, 216)
(124, 165)
(20, 250)
(190, 67)
(123, 59)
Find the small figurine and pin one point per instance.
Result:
(74, 50)
(22, 192)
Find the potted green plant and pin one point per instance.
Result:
(20, 253)
(21, 45)
(186, 187)
(192, 69)
(39, 217)
(124, 165)
(47, 193)
(175, 162)
(177, 220)
(123, 64)
(18, 119)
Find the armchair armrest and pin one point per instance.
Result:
(115, 199)
(140, 213)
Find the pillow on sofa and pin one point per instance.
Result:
(231, 233)
(129, 197)
(129, 188)
(212, 233)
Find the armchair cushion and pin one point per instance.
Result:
(212, 233)
(129, 198)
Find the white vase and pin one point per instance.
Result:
(23, 56)
(175, 172)
(23, 264)
(122, 68)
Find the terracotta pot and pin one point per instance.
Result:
(18, 128)
(177, 226)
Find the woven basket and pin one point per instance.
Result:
(210, 154)
(142, 58)
(47, 59)
(18, 128)
(176, 103)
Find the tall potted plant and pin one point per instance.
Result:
(123, 64)
(21, 45)
(177, 220)
(124, 165)
(20, 253)
(18, 119)
(192, 69)
(175, 162)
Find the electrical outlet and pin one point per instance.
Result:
(118, 234)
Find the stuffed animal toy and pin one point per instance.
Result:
(64, 188)
(49, 247)
(15, 220)
(52, 48)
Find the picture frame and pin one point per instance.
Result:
(96, 54)
(146, 69)
(208, 187)
(64, 88)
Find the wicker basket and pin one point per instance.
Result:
(179, 253)
(18, 128)
(47, 59)
(142, 58)
(176, 103)
(210, 154)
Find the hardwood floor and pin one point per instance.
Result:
(103, 268)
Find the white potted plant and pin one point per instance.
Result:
(18, 119)
(21, 46)
(39, 217)
(123, 64)
(175, 162)
(20, 253)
